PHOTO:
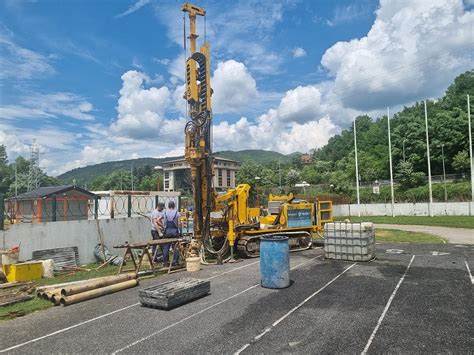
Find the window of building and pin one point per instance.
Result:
(219, 177)
(228, 178)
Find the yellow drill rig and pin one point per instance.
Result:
(224, 221)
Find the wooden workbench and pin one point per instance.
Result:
(144, 247)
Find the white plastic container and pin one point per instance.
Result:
(349, 241)
(48, 268)
(193, 264)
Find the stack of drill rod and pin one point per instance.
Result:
(78, 291)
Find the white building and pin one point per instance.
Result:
(177, 174)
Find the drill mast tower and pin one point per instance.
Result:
(198, 150)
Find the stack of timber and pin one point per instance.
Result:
(73, 292)
(173, 293)
(13, 292)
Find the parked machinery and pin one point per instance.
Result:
(223, 221)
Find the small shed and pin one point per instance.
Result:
(51, 203)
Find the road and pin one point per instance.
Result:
(453, 235)
(410, 299)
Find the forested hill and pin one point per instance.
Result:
(85, 175)
(448, 133)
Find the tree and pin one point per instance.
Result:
(407, 177)
(461, 161)
(292, 177)
(3, 155)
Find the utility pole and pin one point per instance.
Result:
(131, 173)
(390, 160)
(403, 149)
(16, 180)
(470, 153)
(430, 205)
(357, 169)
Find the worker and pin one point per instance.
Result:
(157, 228)
(172, 226)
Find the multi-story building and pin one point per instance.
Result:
(177, 174)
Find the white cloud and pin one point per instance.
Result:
(61, 104)
(233, 87)
(349, 13)
(136, 6)
(413, 50)
(299, 52)
(141, 112)
(17, 62)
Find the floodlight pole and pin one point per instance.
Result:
(357, 169)
(470, 153)
(430, 205)
(390, 160)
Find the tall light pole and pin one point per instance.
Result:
(430, 205)
(158, 168)
(390, 161)
(444, 174)
(279, 171)
(357, 169)
(470, 153)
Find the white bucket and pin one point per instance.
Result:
(9, 258)
(193, 264)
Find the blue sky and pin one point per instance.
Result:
(94, 81)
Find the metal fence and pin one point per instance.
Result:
(58, 208)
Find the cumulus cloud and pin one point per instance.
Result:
(297, 124)
(140, 110)
(299, 52)
(413, 50)
(233, 87)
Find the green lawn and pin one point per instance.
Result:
(398, 236)
(442, 221)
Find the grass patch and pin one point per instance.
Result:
(398, 236)
(441, 221)
(22, 308)
(36, 304)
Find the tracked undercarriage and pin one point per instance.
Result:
(248, 246)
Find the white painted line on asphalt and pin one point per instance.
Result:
(200, 312)
(66, 329)
(103, 315)
(286, 315)
(469, 272)
(232, 270)
(387, 306)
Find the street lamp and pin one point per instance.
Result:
(257, 180)
(158, 168)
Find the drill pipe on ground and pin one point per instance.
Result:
(95, 283)
(68, 300)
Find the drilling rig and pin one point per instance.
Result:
(198, 150)
(233, 222)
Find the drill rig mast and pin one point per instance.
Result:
(198, 150)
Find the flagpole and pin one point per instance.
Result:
(390, 160)
(357, 169)
(430, 205)
(470, 153)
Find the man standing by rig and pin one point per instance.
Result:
(157, 227)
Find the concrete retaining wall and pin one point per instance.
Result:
(83, 234)
(406, 209)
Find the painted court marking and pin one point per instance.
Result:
(200, 312)
(469, 272)
(387, 306)
(294, 309)
(104, 315)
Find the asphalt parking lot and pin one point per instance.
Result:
(412, 298)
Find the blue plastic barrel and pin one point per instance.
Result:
(274, 261)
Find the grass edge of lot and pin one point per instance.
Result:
(438, 221)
